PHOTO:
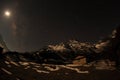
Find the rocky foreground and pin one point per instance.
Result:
(102, 70)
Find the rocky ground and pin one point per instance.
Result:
(102, 70)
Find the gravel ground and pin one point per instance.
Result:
(10, 70)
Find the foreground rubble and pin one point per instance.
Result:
(10, 70)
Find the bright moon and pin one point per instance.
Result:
(7, 13)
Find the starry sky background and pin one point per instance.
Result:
(37, 23)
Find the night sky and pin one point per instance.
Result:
(34, 24)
